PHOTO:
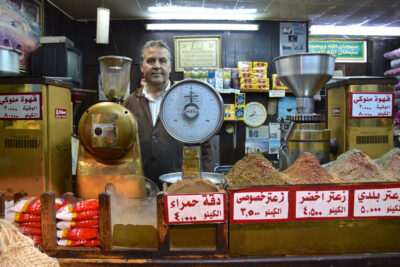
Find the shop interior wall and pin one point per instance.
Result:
(128, 36)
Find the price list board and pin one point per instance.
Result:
(195, 208)
(304, 203)
(21, 106)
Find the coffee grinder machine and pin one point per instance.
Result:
(109, 150)
(305, 74)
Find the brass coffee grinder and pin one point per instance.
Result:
(305, 74)
(109, 150)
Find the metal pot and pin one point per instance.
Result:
(9, 61)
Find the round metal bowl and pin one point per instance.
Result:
(9, 61)
(215, 178)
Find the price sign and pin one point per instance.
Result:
(260, 206)
(21, 106)
(371, 105)
(322, 204)
(195, 208)
(276, 93)
(377, 202)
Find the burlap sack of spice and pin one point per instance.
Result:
(17, 250)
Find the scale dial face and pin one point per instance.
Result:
(255, 114)
(192, 111)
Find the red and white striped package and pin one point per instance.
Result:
(30, 231)
(76, 216)
(91, 204)
(32, 205)
(36, 238)
(22, 217)
(78, 233)
(76, 243)
(29, 224)
(78, 224)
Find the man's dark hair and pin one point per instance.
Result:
(157, 43)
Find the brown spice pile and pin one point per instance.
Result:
(355, 166)
(307, 170)
(254, 169)
(193, 186)
(390, 164)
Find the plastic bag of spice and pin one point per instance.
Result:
(78, 224)
(32, 205)
(22, 217)
(36, 238)
(91, 204)
(78, 233)
(29, 224)
(30, 231)
(76, 243)
(76, 216)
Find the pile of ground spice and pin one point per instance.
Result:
(355, 166)
(307, 170)
(390, 164)
(254, 169)
(193, 186)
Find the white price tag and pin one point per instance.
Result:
(377, 202)
(259, 206)
(23, 106)
(276, 93)
(195, 208)
(320, 204)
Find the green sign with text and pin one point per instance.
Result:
(345, 51)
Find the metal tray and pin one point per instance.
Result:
(215, 178)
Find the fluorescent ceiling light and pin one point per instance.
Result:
(103, 25)
(202, 27)
(354, 30)
(200, 13)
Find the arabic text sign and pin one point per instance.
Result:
(371, 105)
(345, 51)
(21, 106)
(377, 202)
(195, 208)
(261, 205)
(322, 204)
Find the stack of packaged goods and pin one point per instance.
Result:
(394, 71)
(203, 74)
(25, 214)
(253, 75)
(79, 224)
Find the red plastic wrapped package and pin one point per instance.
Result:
(76, 216)
(22, 217)
(78, 233)
(92, 204)
(78, 224)
(29, 224)
(76, 243)
(30, 231)
(32, 205)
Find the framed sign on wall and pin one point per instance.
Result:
(197, 51)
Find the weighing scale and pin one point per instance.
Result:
(192, 112)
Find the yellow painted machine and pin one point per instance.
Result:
(109, 150)
(371, 133)
(35, 136)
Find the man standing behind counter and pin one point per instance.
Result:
(161, 153)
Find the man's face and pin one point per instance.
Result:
(156, 66)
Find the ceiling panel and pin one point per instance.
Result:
(322, 12)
